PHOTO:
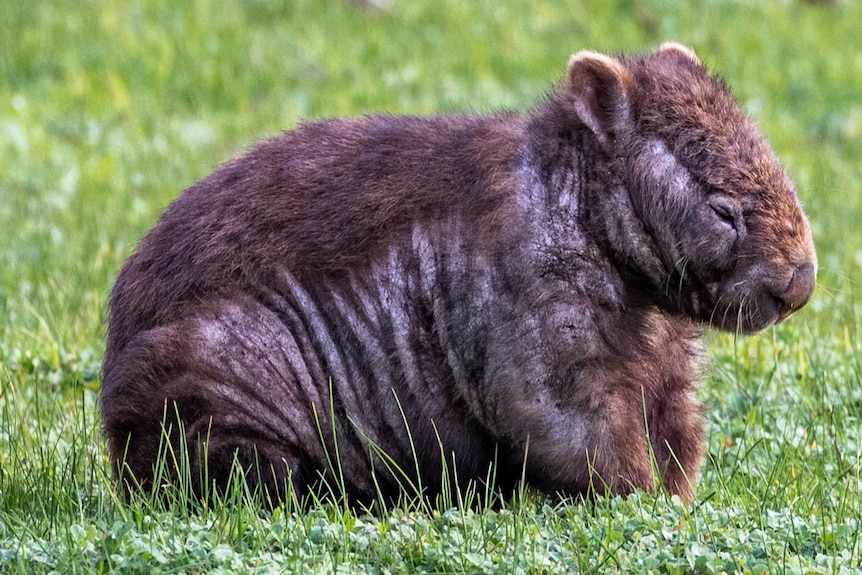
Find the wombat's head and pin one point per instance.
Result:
(713, 226)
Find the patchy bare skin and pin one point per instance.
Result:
(516, 290)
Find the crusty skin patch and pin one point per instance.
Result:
(525, 292)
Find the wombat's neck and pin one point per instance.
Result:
(564, 153)
(587, 209)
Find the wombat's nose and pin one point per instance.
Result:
(798, 292)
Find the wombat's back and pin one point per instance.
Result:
(328, 197)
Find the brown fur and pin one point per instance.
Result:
(502, 286)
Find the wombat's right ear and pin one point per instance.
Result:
(599, 85)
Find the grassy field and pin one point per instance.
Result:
(108, 109)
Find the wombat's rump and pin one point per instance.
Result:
(507, 290)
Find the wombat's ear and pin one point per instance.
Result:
(679, 48)
(600, 87)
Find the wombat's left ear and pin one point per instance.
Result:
(600, 85)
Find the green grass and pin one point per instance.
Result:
(108, 109)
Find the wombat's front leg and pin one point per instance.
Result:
(611, 425)
(676, 427)
(657, 430)
(632, 442)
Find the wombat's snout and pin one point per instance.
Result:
(798, 291)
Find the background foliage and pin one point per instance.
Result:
(109, 108)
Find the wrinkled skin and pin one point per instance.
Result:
(519, 292)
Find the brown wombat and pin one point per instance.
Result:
(407, 299)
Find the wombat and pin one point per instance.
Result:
(392, 302)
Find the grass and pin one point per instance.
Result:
(108, 109)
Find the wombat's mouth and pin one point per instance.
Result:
(753, 305)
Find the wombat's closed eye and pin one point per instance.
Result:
(522, 292)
